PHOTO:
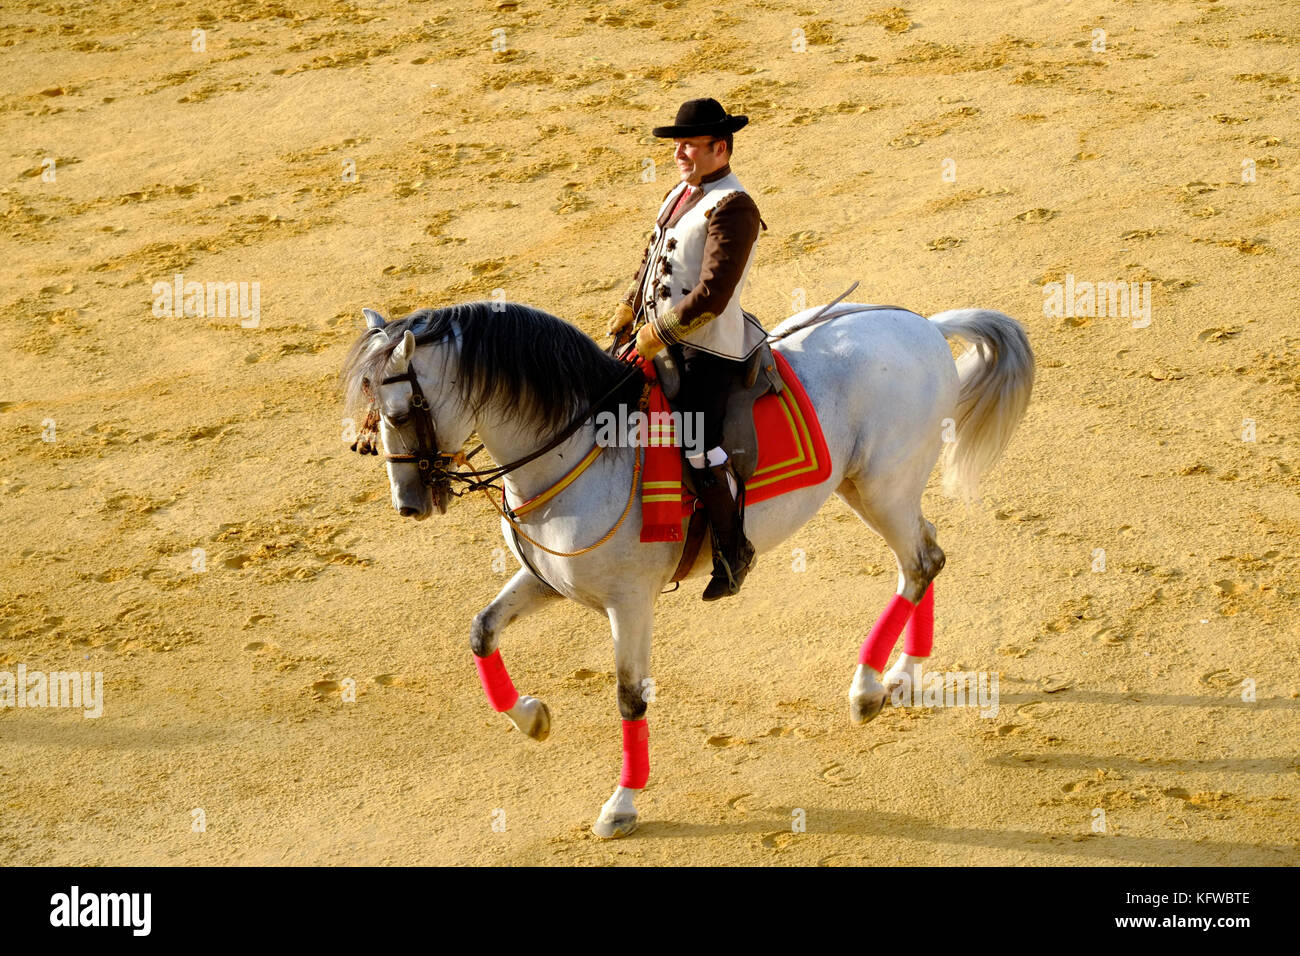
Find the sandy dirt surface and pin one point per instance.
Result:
(1121, 689)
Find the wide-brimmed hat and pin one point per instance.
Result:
(703, 117)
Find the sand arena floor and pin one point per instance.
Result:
(1121, 690)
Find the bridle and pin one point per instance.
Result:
(428, 457)
(436, 466)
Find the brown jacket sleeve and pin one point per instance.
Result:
(733, 228)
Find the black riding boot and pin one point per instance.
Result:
(733, 555)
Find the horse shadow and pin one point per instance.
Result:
(1104, 849)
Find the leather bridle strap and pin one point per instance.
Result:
(486, 477)
(428, 457)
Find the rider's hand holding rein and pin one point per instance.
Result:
(623, 318)
(648, 342)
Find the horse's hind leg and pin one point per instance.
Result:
(523, 594)
(919, 640)
(892, 510)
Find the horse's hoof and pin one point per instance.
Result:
(898, 687)
(532, 717)
(614, 826)
(866, 695)
(542, 727)
(902, 677)
(865, 708)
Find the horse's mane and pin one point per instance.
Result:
(534, 366)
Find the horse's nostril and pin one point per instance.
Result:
(407, 512)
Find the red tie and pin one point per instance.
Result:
(682, 200)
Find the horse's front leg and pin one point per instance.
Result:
(632, 628)
(523, 594)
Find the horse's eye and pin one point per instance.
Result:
(399, 422)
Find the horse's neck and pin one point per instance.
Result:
(508, 441)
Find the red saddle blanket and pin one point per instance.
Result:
(792, 454)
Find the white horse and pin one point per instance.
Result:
(888, 394)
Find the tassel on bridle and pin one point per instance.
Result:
(367, 442)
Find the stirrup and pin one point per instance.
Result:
(728, 583)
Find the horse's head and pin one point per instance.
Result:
(422, 420)
(437, 376)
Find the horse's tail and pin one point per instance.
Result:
(997, 377)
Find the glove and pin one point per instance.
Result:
(623, 317)
(648, 343)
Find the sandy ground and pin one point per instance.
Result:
(520, 170)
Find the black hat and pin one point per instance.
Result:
(704, 117)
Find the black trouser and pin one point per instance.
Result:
(706, 381)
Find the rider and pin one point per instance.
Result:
(688, 293)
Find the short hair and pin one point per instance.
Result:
(728, 139)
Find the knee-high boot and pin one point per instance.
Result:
(733, 555)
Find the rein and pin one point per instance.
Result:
(631, 496)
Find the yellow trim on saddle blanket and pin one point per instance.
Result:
(807, 454)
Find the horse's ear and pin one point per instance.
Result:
(373, 319)
(402, 354)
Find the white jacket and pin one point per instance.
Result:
(674, 263)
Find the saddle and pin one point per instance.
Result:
(765, 399)
(757, 377)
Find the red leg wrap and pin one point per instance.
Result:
(501, 693)
(636, 754)
(919, 640)
(884, 635)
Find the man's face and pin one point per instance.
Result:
(699, 156)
